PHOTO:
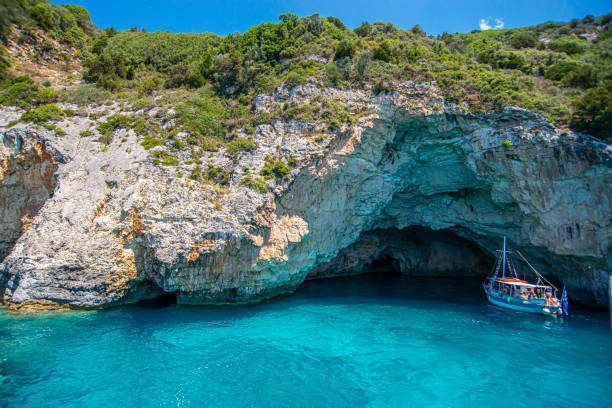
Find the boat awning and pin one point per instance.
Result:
(508, 280)
(518, 282)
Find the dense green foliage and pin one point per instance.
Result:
(594, 111)
(24, 93)
(545, 68)
(559, 69)
(66, 22)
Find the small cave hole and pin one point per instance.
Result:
(163, 300)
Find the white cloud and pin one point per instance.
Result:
(485, 24)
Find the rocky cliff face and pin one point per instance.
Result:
(27, 180)
(418, 181)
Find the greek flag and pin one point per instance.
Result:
(565, 302)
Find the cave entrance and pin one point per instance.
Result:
(385, 264)
(412, 251)
(161, 301)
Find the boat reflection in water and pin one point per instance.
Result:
(504, 288)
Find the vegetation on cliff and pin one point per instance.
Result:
(559, 69)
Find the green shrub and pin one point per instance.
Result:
(584, 76)
(215, 175)
(280, 169)
(523, 40)
(383, 52)
(593, 112)
(364, 30)
(209, 145)
(114, 122)
(148, 83)
(302, 73)
(209, 117)
(257, 184)
(46, 95)
(501, 59)
(274, 168)
(263, 117)
(150, 142)
(345, 49)
(43, 114)
(196, 173)
(142, 103)
(573, 74)
(558, 71)
(332, 73)
(165, 158)
(177, 144)
(144, 127)
(569, 45)
(241, 144)
(20, 91)
(292, 161)
(169, 160)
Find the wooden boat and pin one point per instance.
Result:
(504, 288)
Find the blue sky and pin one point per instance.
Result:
(434, 16)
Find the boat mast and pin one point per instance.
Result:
(504, 270)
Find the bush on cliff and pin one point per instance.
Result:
(594, 112)
(43, 114)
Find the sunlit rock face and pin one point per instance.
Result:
(27, 180)
(425, 184)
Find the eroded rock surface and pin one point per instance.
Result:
(27, 180)
(119, 228)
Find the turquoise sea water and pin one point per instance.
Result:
(370, 341)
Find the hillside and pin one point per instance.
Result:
(561, 70)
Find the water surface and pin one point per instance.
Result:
(370, 341)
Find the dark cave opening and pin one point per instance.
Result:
(411, 251)
(384, 265)
(163, 300)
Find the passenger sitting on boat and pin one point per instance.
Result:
(524, 295)
(531, 294)
(550, 300)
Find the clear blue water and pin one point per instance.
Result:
(372, 341)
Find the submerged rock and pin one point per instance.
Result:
(118, 228)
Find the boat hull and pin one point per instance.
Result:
(523, 305)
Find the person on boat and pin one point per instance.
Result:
(531, 294)
(524, 295)
(550, 300)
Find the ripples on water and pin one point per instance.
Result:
(375, 341)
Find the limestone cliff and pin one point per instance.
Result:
(27, 170)
(443, 186)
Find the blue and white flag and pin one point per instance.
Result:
(565, 302)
